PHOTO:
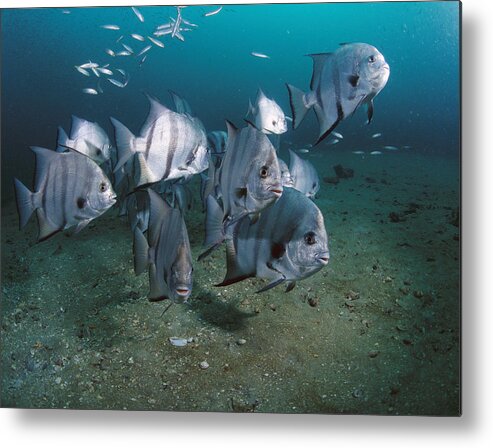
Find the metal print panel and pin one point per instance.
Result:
(232, 208)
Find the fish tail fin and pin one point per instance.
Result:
(62, 140)
(124, 143)
(25, 199)
(141, 252)
(299, 107)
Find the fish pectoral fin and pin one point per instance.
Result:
(353, 80)
(277, 250)
(254, 218)
(157, 298)
(369, 111)
(81, 225)
(241, 192)
(271, 285)
(290, 286)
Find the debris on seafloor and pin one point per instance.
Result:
(331, 180)
(343, 173)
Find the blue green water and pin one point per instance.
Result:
(215, 71)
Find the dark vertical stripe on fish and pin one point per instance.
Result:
(66, 188)
(174, 135)
(150, 136)
(337, 91)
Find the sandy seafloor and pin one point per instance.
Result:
(377, 331)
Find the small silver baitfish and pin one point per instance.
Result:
(110, 27)
(259, 55)
(138, 13)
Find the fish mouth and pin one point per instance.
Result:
(183, 291)
(276, 189)
(323, 258)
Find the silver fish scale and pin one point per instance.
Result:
(168, 144)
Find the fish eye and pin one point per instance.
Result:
(264, 171)
(371, 59)
(98, 152)
(310, 238)
(274, 122)
(103, 186)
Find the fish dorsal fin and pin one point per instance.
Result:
(181, 105)
(232, 130)
(294, 162)
(260, 95)
(77, 124)
(250, 123)
(43, 158)
(156, 107)
(251, 110)
(75, 151)
(62, 139)
(319, 59)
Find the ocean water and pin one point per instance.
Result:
(77, 328)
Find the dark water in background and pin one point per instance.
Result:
(214, 71)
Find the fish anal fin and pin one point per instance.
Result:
(234, 272)
(46, 228)
(229, 281)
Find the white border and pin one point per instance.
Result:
(121, 429)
